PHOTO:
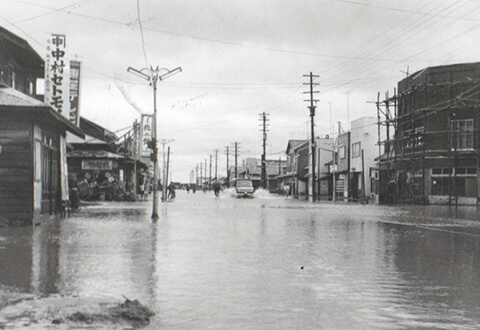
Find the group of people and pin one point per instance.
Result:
(217, 187)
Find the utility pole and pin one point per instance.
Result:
(164, 142)
(134, 154)
(206, 170)
(263, 119)
(196, 175)
(210, 173)
(312, 124)
(216, 164)
(228, 169)
(201, 173)
(236, 159)
(168, 166)
(153, 77)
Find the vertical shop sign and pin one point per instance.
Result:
(146, 135)
(74, 114)
(57, 70)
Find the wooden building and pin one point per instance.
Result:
(32, 138)
(32, 158)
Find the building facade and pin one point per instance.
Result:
(363, 146)
(434, 156)
(33, 167)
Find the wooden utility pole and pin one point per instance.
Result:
(134, 154)
(312, 102)
(168, 166)
(263, 119)
(236, 159)
(216, 164)
(228, 169)
(210, 173)
(196, 175)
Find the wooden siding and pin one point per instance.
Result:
(15, 173)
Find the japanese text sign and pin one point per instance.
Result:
(57, 74)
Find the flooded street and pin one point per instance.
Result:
(259, 263)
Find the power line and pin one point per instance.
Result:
(141, 33)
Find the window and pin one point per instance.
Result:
(414, 138)
(356, 149)
(419, 136)
(445, 183)
(7, 75)
(462, 134)
(342, 152)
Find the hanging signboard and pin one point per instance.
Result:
(57, 74)
(145, 134)
(74, 90)
(97, 164)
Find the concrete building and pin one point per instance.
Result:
(363, 136)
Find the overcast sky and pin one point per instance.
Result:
(242, 58)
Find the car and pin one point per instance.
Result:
(244, 188)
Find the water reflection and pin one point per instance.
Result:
(261, 263)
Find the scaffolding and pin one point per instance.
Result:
(414, 129)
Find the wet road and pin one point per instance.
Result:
(268, 262)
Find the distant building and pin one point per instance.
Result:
(295, 173)
(253, 171)
(364, 149)
(98, 160)
(324, 150)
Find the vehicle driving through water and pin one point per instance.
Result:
(243, 188)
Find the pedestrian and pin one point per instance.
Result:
(171, 191)
(216, 188)
(142, 191)
(286, 190)
(187, 188)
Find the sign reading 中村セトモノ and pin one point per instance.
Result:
(57, 74)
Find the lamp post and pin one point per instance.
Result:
(153, 76)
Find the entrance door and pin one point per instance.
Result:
(49, 178)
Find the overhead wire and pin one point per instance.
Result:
(141, 33)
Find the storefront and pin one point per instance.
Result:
(33, 169)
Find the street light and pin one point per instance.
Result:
(153, 76)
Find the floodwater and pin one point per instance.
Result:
(262, 263)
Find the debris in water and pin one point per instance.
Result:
(129, 311)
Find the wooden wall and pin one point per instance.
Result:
(16, 186)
